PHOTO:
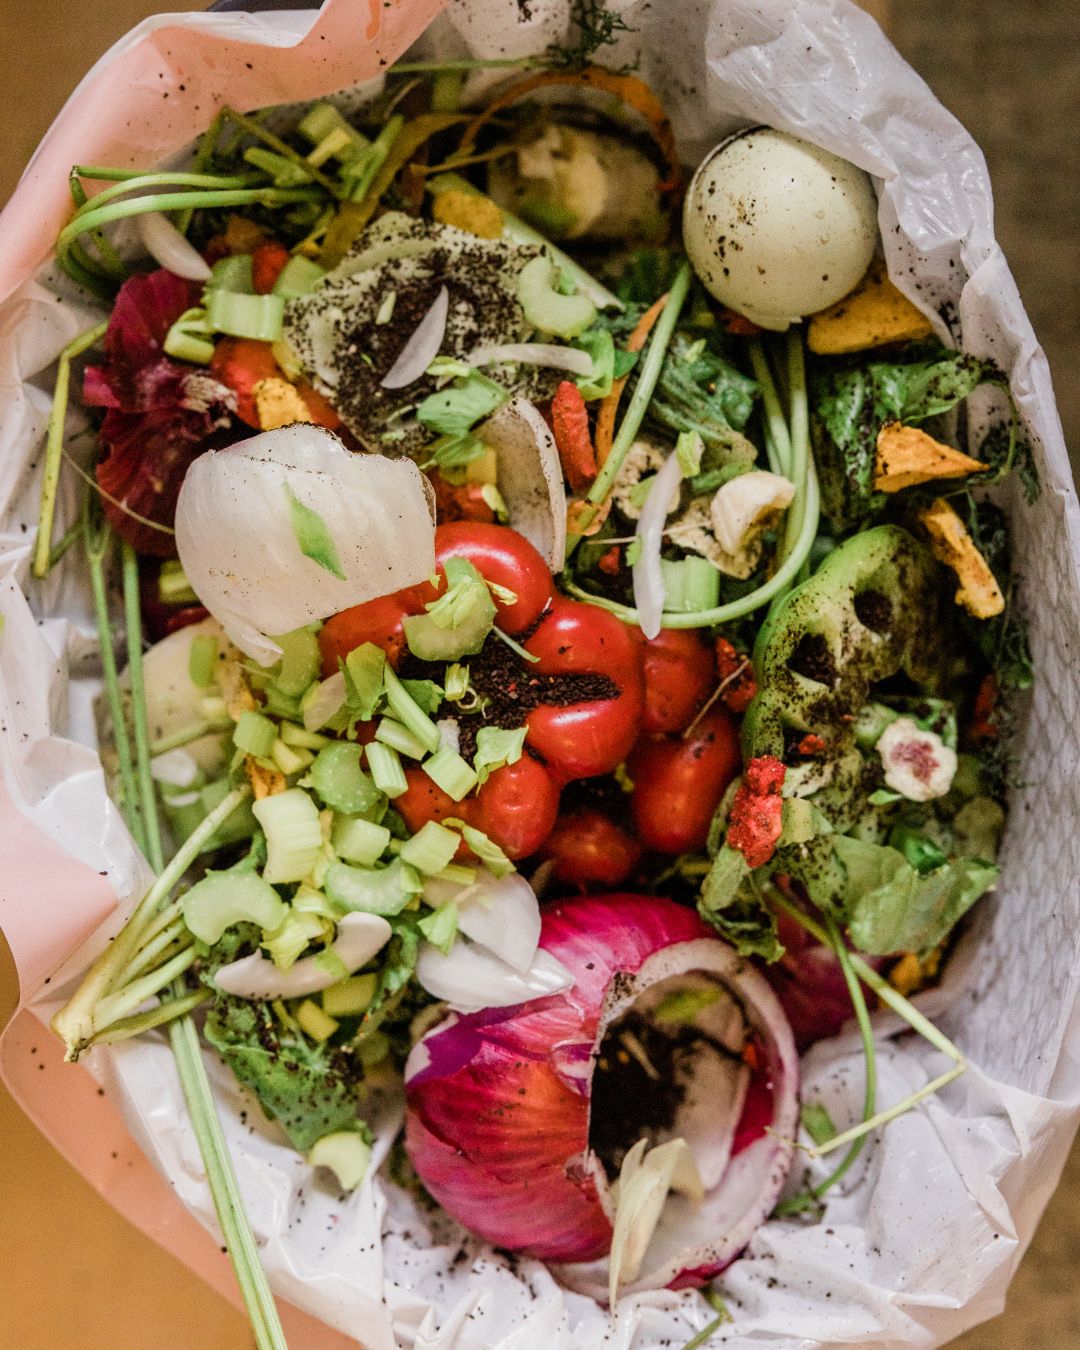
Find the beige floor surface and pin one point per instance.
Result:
(74, 1276)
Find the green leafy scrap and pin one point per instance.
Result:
(313, 535)
(700, 390)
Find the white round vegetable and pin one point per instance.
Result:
(777, 228)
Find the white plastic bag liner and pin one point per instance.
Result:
(920, 1240)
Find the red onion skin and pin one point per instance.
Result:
(517, 1065)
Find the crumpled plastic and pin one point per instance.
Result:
(919, 1241)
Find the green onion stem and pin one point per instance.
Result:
(94, 216)
(706, 1332)
(145, 182)
(188, 734)
(905, 1009)
(239, 1239)
(124, 1002)
(92, 281)
(70, 536)
(126, 1027)
(204, 157)
(777, 436)
(639, 402)
(111, 261)
(54, 445)
(155, 948)
(133, 623)
(96, 538)
(495, 63)
(282, 148)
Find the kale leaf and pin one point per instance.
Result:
(700, 390)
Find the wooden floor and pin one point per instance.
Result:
(74, 1276)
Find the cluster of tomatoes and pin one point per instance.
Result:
(655, 714)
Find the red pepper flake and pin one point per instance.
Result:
(570, 424)
(737, 683)
(755, 823)
(983, 724)
(611, 561)
(267, 263)
(810, 745)
(750, 1055)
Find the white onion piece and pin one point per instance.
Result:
(359, 938)
(499, 913)
(168, 247)
(422, 347)
(173, 703)
(648, 578)
(471, 978)
(240, 551)
(550, 354)
(529, 477)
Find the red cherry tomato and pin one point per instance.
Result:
(267, 263)
(518, 807)
(589, 849)
(378, 621)
(502, 556)
(680, 674)
(593, 736)
(678, 783)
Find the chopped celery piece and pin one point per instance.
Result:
(280, 705)
(189, 337)
(247, 316)
(339, 780)
(330, 146)
(232, 274)
(400, 738)
(487, 850)
(431, 849)
(300, 664)
(407, 711)
(290, 759)
(298, 277)
(351, 997)
(358, 172)
(690, 584)
(567, 316)
(358, 840)
(294, 734)
(372, 890)
(448, 770)
(294, 838)
(222, 899)
(236, 827)
(386, 769)
(202, 660)
(213, 708)
(292, 937)
(284, 171)
(426, 694)
(322, 702)
(365, 672)
(496, 747)
(255, 734)
(461, 876)
(310, 900)
(458, 623)
(440, 926)
(346, 1154)
(321, 120)
(314, 1022)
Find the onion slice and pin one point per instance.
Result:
(500, 913)
(250, 562)
(529, 477)
(422, 347)
(168, 247)
(500, 1102)
(647, 575)
(550, 354)
(359, 937)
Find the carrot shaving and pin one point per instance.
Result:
(628, 89)
(609, 406)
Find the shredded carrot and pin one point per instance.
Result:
(570, 426)
(605, 417)
(635, 93)
(578, 510)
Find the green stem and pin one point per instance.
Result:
(862, 1016)
(96, 538)
(496, 63)
(155, 948)
(133, 623)
(639, 402)
(283, 148)
(126, 1000)
(188, 734)
(144, 182)
(777, 435)
(69, 537)
(204, 157)
(54, 445)
(126, 1027)
(799, 534)
(111, 261)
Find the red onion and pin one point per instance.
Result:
(648, 578)
(501, 1125)
(422, 347)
